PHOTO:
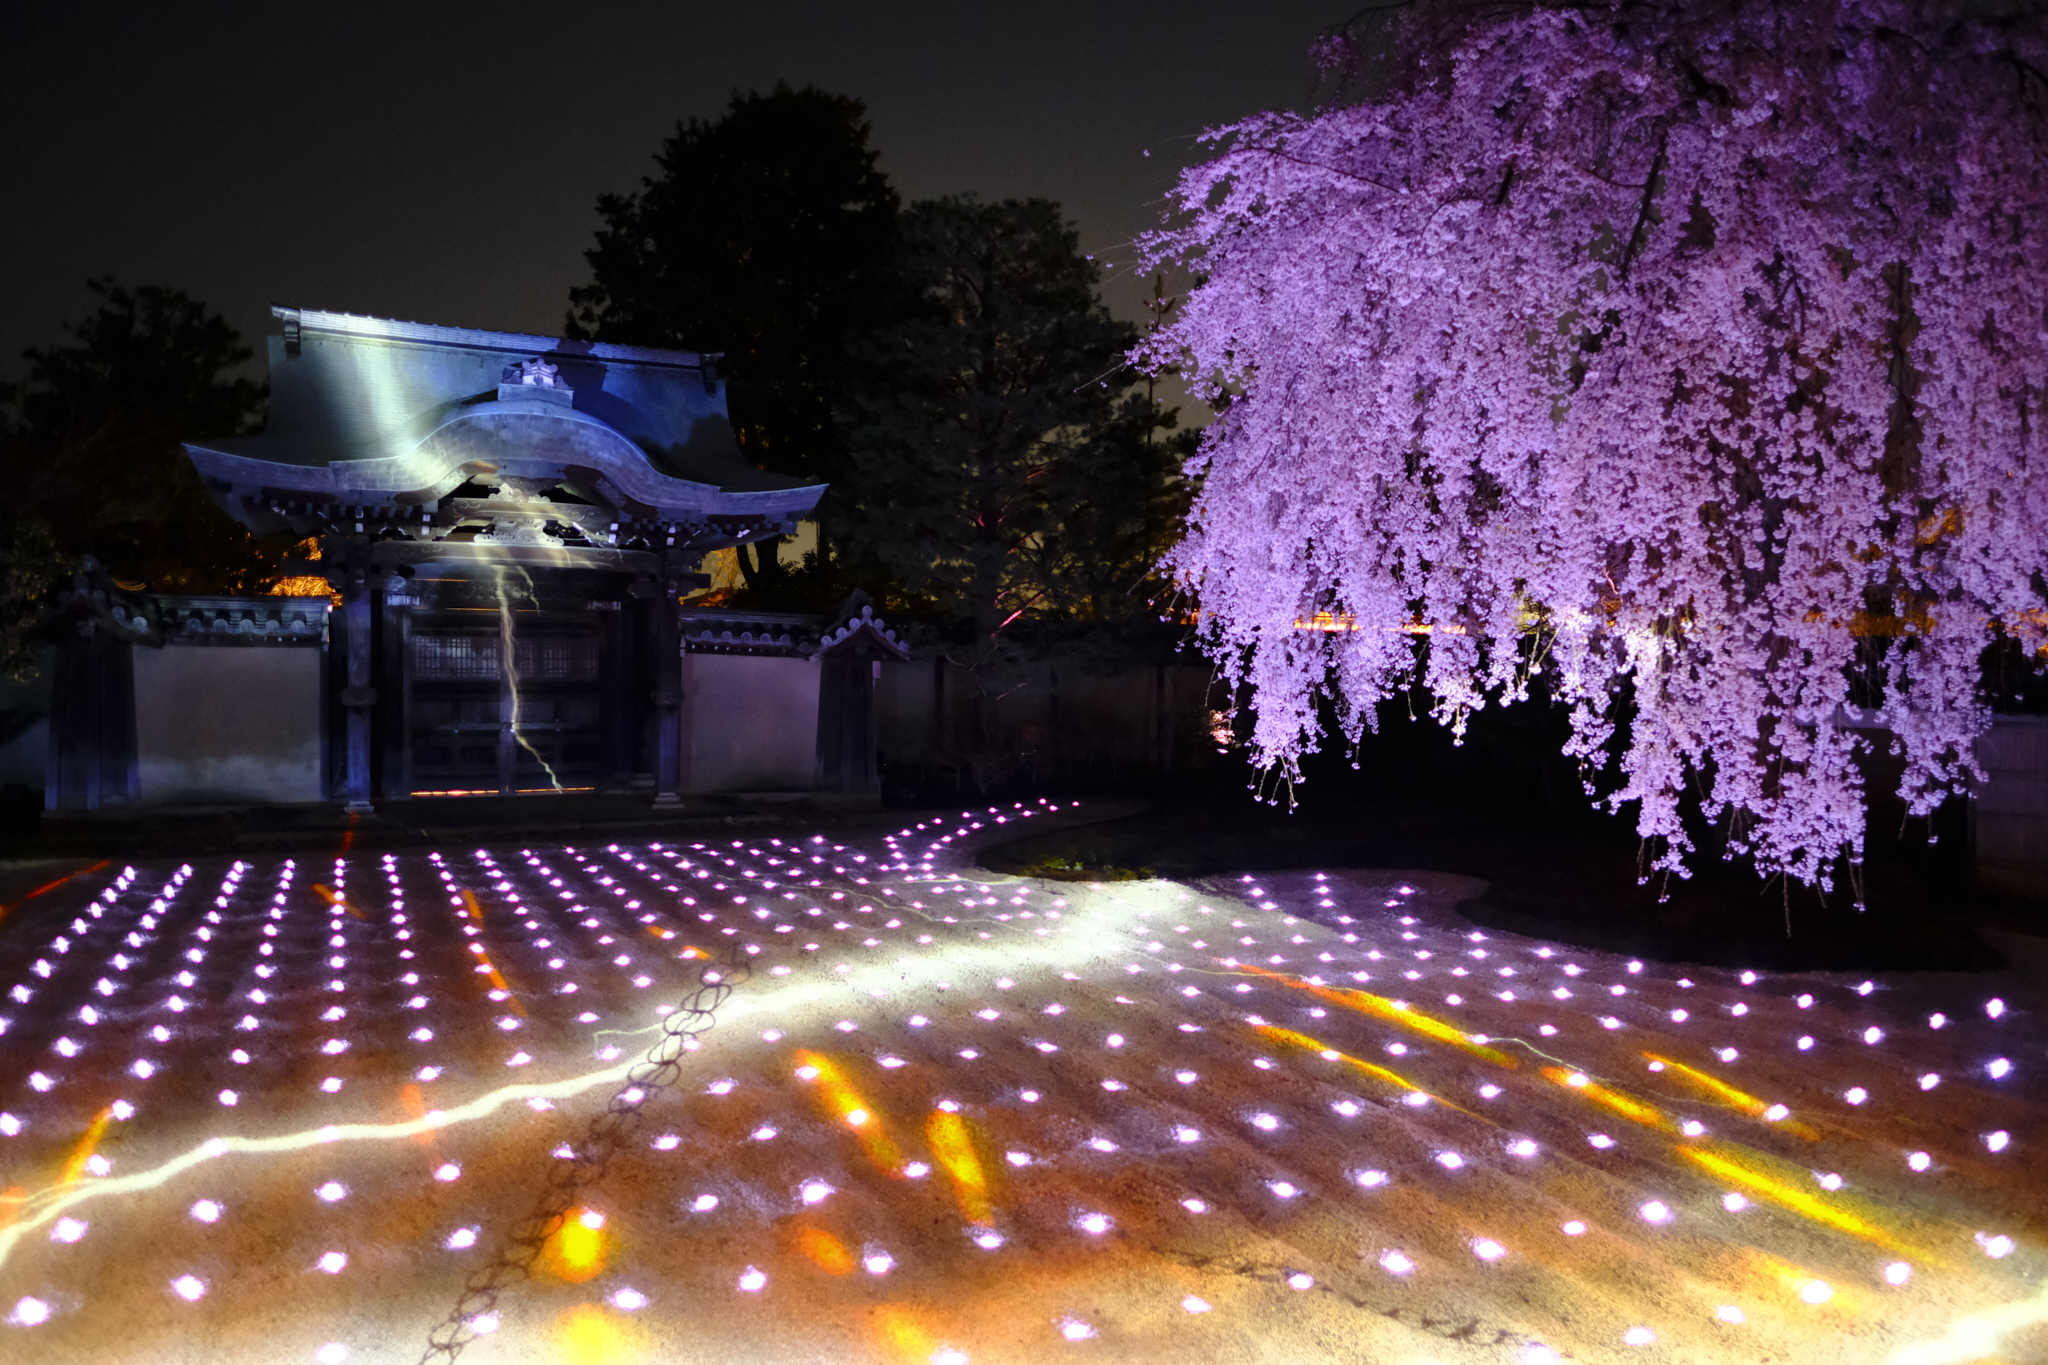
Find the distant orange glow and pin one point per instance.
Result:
(1334, 622)
(952, 1143)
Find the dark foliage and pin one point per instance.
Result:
(767, 236)
(92, 445)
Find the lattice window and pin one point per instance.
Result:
(455, 657)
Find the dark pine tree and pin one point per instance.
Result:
(768, 235)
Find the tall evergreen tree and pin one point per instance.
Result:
(91, 441)
(768, 235)
(998, 470)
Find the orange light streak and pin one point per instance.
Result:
(952, 1143)
(1392, 1011)
(47, 887)
(1743, 1171)
(1635, 1110)
(74, 1165)
(332, 897)
(825, 1251)
(1721, 1090)
(497, 978)
(846, 1104)
(1379, 1073)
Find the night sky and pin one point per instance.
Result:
(441, 163)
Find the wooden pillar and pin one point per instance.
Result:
(668, 694)
(394, 688)
(621, 724)
(359, 697)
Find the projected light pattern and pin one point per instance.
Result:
(970, 1118)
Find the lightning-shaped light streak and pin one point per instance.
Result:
(509, 648)
(778, 1003)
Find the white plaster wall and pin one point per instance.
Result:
(226, 725)
(753, 723)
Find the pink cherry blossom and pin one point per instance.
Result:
(1709, 362)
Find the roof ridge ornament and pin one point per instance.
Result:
(537, 373)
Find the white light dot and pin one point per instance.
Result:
(1265, 1122)
(629, 1300)
(1873, 1035)
(1450, 1161)
(752, 1281)
(1486, 1249)
(1733, 1202)
(1073, 1329)
(1999, 1069)
(1994, 1008)
(1817, 1292)
(67, 1230)
(1095, 1224)
(704, 1203)
(333, 1353)
(1489, 1091)
(206, 1211)
(1299, 1281)
(1656, 1211)
(334, 1262)
(1573, 1229)
(1194, 1205)
(1919, 1161)
(1777, 1113)
(1195, 1305)
(1396, 1263)
(1898, 1272)
(447, 1171)
(190, 1288)
(815, 1191)
(1997, 1248)
(1601, 1140)
(1729, 1313)
(30, 1311)
(332, 1191)
(879, 1263)
(1998, 1141)
(1638, 1336)
(988, 1239)
(1856, 1094)
(461, 1239)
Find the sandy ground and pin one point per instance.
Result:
(277, 1111)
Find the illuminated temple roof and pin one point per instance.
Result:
(283, 1112)
(374, 425)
